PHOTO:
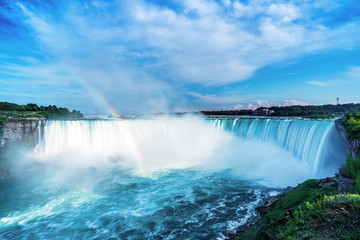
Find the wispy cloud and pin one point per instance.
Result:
(294, 102)
(248, 103)
(316, 83)
(354, 71)
(141, 55)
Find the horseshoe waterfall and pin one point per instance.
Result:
(159, 177)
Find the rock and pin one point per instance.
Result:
(229, 234)
(345, 185)
(19, 131)
(352, 145)
(341, 170)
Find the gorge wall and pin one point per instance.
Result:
(13, 134)
(352, 145)
(23, 131)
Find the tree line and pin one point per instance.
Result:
(49, 112)
(320, 111)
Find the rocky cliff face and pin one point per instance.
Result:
(13, 133)
(19, 131)
(353, 146)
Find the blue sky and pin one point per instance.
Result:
(176, 55)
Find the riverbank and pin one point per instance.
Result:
(315, 209)
(288, 215)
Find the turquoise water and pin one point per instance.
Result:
(163, 178)
(180, 204)
(313, 141)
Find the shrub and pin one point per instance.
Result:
(352, 167)
(352, 170)
(331, 217)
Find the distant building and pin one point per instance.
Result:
(263, 112)
(337, 101)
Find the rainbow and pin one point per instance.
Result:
(137, 153)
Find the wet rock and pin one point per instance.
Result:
(345, 185)
(18, 131)
(352, 145)
(229, 234)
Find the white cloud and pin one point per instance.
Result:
(268, 103)
(139, 52)
(247, 102)
(238, 106)
(202, 7)
(317, 83)
(227, 3)
(263, 103)
(294, 102)
(354, 71)
(286, 12)
(214, 100)
(241, 10)
(251, 106)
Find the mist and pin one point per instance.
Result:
(147, 147)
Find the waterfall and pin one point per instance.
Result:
(251, 146)
(316, 142)
(146, 144)
(121, 178)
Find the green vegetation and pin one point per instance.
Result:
(229, 112)
(13, 112)
(331, 217)
(308, 191)
(310, 111)
(351, 122)
(352, 167)
(273, 221)
(314, 210)
(352, 170)
(323, 116)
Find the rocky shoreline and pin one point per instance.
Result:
(262, 210)
(261, 228)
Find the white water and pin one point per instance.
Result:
(274, 152)
(314, 142)
(163, 178)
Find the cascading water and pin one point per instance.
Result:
(315, 142)
(162, 178)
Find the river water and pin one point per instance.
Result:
(158, 178)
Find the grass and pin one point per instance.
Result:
(331, 217)
(308, 191)
(313, 210)
(352, 170)
(52, 113)
(16, 115)
(351, 122)
(274, 220)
